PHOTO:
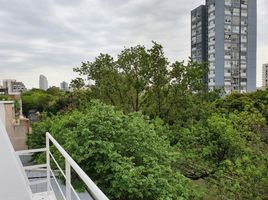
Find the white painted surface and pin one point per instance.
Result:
(2, 113)
(44, 196)
(12, 182)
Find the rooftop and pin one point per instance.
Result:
(39, 181)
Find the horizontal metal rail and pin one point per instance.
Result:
(31, 167)
(92, 187)
(38, 182)
(31, 151)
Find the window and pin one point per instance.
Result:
(228, 11)
(228, 46)
(227, 63)
(243, 47)
(212, 80)
(198, 38)
(212, 14)
(243, 65)
(244, 30)
(244, 21)
(212, 66)
(236, 3)
(235, 55)
(227, 28)
(243, 38)
(193, 39)
(228, 37)
(228, 19)
(235, 47)
(236, 29)
(236, 11)
(245, 2)
(228, 2)
(211, 32)
(243, 79)
(236, 20)
(228, 55)
(244, 13)
(244, 71)
(235, 38)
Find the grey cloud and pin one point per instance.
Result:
(53, 36)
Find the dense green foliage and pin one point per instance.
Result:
(38, 99)
(3, 97)
(164, 135)
(124, 154)
(53, 100)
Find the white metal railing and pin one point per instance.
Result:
(93, 189)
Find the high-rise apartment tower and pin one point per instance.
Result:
(224, 35)
(64, 86)
(43, 83)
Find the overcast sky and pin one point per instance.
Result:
(51, 37)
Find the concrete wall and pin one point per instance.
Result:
(17, 129)
(252, 46)
(12, 182)
(219, 48)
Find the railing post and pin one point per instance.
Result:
(68, 180)
(48, 165)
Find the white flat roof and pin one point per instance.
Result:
(12, 182)
(6, 102)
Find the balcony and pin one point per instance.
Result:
(45, 181)
(227, 74)
(211, 84)
(211, 18)
(211, 75)
(244, 75)
(211, 9)
(227, 84)
(243, 83)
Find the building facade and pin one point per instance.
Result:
(13, 87)
(18, 87)
(230, 43)
(265, 75)
(43, 83)
(199, 34)
(64, 86)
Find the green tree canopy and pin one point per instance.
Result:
(123, 154)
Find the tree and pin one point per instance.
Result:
(188, 139)
(123, 154)
(159, 79)
(133, 64)
(37, 100)
(77, 83)
(227, 154)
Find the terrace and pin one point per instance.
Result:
(31, 181)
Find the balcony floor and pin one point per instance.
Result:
(44, 196)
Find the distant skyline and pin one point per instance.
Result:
(52, 37)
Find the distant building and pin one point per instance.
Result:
(265, 75)
(3, 91)
(18, 87)
(7, 83)
(43, 83)
(64, 86)
(223, 33)
(13, 87)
